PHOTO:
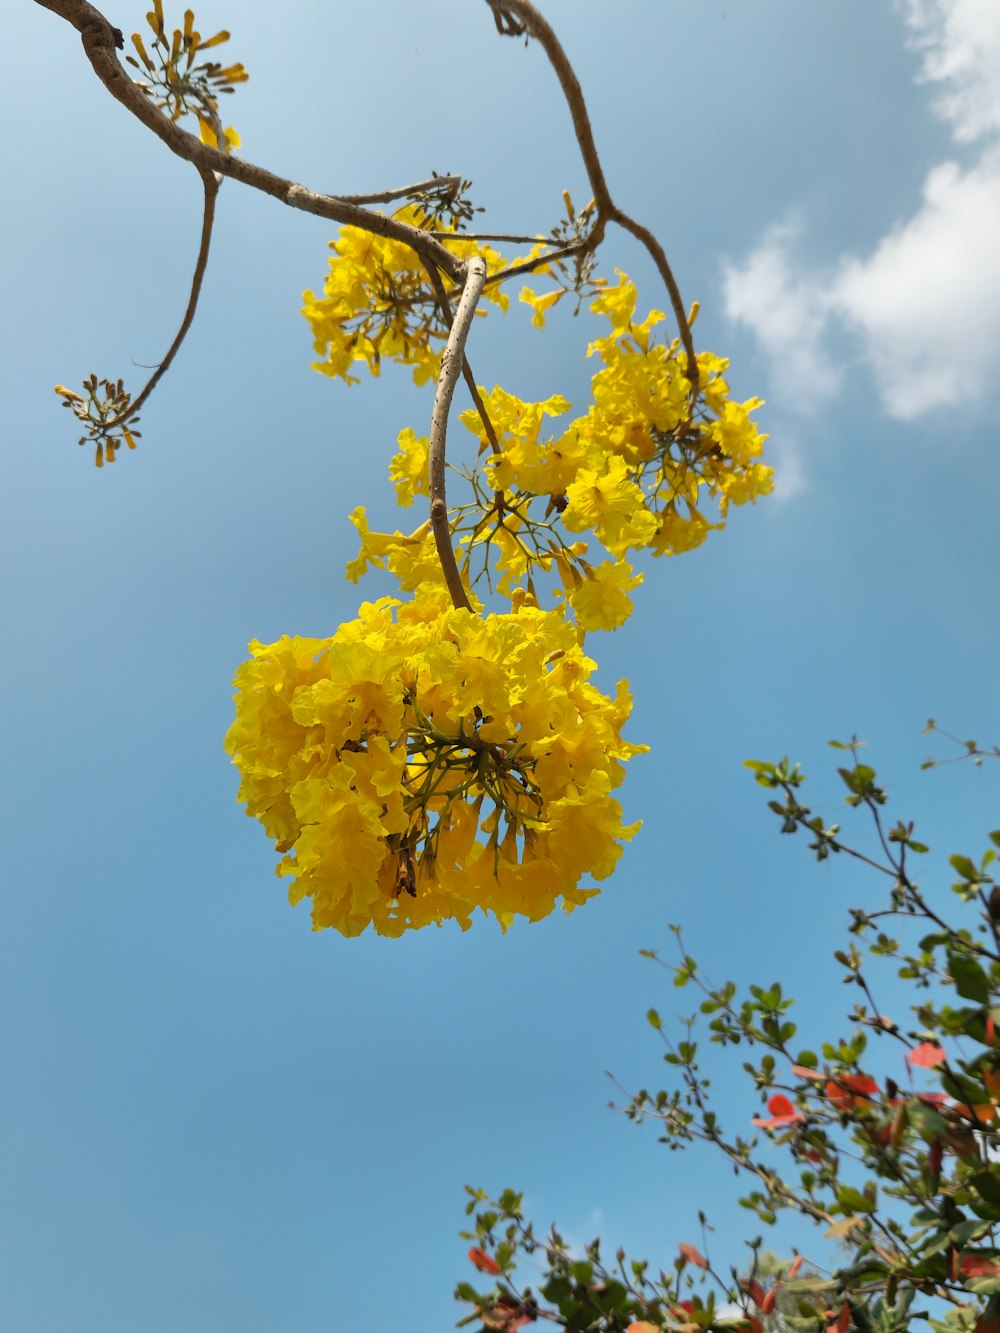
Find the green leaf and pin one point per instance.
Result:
(970, 980)
(988, 1185)
(654, 1020)
(808, 1059)
(964, 867)
(853, 1201)
(966, 1231)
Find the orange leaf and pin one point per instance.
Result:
(642, 1326)
(796, 1265)
(768, 1303)
(483, 1261)
(692, 1255)
(926, 1056)
(982, 1114)
(850, 1090)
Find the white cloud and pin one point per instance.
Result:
(789, 471)
(925, 303)
(785, 309)
(960, 43)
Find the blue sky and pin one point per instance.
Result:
(213, 1118)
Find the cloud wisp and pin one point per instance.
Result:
(924, 304)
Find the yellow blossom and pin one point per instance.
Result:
(425, 762)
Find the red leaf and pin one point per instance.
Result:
(782, 1113)
(979, 1265)
(692, 1255)
(796, 1265)
(844, 1318)
(754, 1290)
(483, 1261)
(990, 1029)
(926, 1056)
(851, 1090)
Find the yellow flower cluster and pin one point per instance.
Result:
(426, 761)
(378, 302)
(632, 474)
(178, 83)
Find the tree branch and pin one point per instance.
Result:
(531, 21)
(449, 183)
(659, 258)
(514, 17)
(211, 185)
(451, 365)
(100, 42)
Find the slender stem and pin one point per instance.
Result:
(514, 17)
(451, 365)
(531, 21)
(494, 236)
(211, 184)
(539, 261)
(659, 258)
(449, 183)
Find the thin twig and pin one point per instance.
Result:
(451, 364)
(531, 21)
(210, 181)
(536, 25)
(539, 261)
(452, 184)
(491, 236)
(659, 258)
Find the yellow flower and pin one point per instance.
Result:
(601, 601)
(612, 505)
(408, 468)
(540, 304)
(424, 762)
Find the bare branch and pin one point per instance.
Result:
(451, 364)
(210, 181)
(515, 17)
(450, 183)
(659, 257)
(530, 20)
